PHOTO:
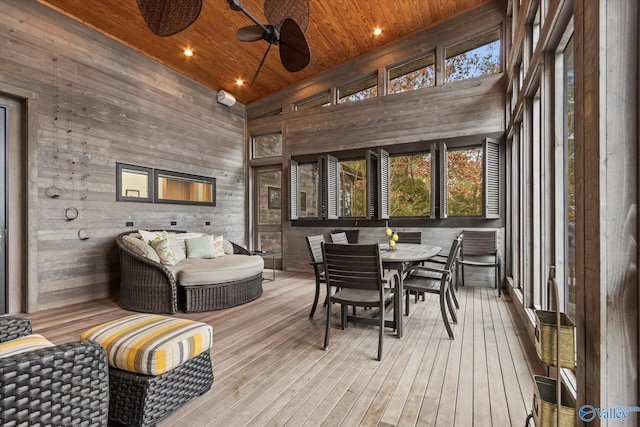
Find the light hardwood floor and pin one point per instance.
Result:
(270, 369)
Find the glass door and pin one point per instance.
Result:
(267, 215)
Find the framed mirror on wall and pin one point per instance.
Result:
(134, 183)
(143, 184)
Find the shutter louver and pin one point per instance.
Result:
(293, 195)
(384, 163)
(444, 175)
(372, 185)
(433, 196)
(491, 176)
(333, 190)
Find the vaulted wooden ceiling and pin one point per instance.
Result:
(338, 31)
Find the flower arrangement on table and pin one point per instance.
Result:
(393, 238)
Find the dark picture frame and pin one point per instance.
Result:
(273, 196)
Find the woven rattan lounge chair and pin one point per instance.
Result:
(67, 384)
(149, 287)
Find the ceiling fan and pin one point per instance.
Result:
(288, 20)
(168, 17)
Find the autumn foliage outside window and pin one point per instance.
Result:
(476, 57)
(464, 182)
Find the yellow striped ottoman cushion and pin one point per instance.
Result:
(22, 344)
(151, 344)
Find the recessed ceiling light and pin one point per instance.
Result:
(239, 82)
(377, 31)
(188, 52)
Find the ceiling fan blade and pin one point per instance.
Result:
(255, 76)
(277, 11)
(250, 33)
(168, 17)
(294, 49)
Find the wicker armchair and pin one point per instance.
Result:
(63, 385)
(148, 286)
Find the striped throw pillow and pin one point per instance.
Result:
(23, 344)
(150, 344)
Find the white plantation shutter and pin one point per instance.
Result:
(294, 207)
(491, 177)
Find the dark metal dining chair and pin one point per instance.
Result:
(340, 238)
(355, 271)
(480, 244)
(409, 236)
(314, 244)
(435, 280)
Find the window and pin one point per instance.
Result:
(305, 190)
(568, 100)
(267, 145)
(430, 184)
(353, 188)
(476, 57)
(414, 75)
(464, 182)
(360, 90)
(410, 185)
(322, 100)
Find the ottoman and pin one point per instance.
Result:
(156, 364)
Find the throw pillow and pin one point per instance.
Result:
(165, 251)
(177, 249)
(150, 236)
(218, 246)
(200, 247)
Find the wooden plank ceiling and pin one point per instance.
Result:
(338, 31)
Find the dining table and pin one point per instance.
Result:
(399, 258)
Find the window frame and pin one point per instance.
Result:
(378, 194)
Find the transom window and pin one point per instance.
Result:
(322, 100)
(475, 57)
(414, 75)
(363, 89)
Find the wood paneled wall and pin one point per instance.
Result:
(464, 111)
(607, 203)
(96, 102)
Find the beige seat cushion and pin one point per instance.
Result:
(151, 344)
(23, 344)
(217, 270)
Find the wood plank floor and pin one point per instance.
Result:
(270, 369)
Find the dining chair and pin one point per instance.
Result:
(340, 238)
(355, 271)
(442, 259)
(478, 243)
(434, 280)
(314, 244)
(409, 236)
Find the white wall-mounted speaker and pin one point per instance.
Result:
(225, 98)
